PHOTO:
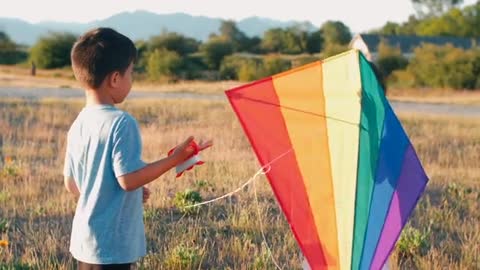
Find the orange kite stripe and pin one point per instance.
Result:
(263, 122)
(303, 110)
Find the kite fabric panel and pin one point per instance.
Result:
(341, 166)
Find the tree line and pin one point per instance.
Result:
(232, 55)
(172, 56)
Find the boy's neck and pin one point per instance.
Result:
(98, 97)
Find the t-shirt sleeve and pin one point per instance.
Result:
(68, 162)
(127, 147)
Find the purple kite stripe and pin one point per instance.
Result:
(410, 186)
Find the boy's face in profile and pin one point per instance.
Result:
(123, 85)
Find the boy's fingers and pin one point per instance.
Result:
(205, 145)
(187, 141)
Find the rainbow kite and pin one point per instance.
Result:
(348, 177)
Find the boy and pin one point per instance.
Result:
(103, 164)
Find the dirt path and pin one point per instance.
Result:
(399, 106)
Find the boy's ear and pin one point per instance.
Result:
(113, 79)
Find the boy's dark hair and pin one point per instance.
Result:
(99, 52)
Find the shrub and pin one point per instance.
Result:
(251, 70)
(445, 67)
(275, 64)
(163, 64)
(334, 49)
(236, 67)
(300, 61)
(184, 257)
(413, 243)
(184, 200)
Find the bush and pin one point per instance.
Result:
(193, 66)
(230, 66)
(163, 64)
(184, 257)
(251, 70)
(301, 61)
(184, 200)
(244, 68)
(53, 50)
(401, 79)
(413, 243)
(334, 49)
(445, 67)
(274, 64)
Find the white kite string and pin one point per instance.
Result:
(261, 229)
(262, 171)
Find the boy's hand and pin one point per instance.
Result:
(146, 194)
(185, 150)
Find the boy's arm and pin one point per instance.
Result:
(147, 174)
(71, 186)
(152, 171)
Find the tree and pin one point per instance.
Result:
(390, 28)
(472, 18)
(409, 27)
(229, 31)
(335, 32)
(452, 23)
(296, 39)
(53, 50)
(314, 42)
(142, 53)
(4, 39)
(10, 52)
(429, 8)
(291, 41)
(174, 42)
(214, 50)
(389, 59)
(254, 45)
(274, 40)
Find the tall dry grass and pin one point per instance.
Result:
(36, 211)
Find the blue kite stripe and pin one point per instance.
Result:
(393, 147)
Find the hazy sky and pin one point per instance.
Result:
(359, 15)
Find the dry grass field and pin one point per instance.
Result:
(36, 211)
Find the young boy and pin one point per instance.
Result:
(103, 164)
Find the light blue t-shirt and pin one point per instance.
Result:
(104, 143)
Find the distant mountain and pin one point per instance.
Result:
(142, 25)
